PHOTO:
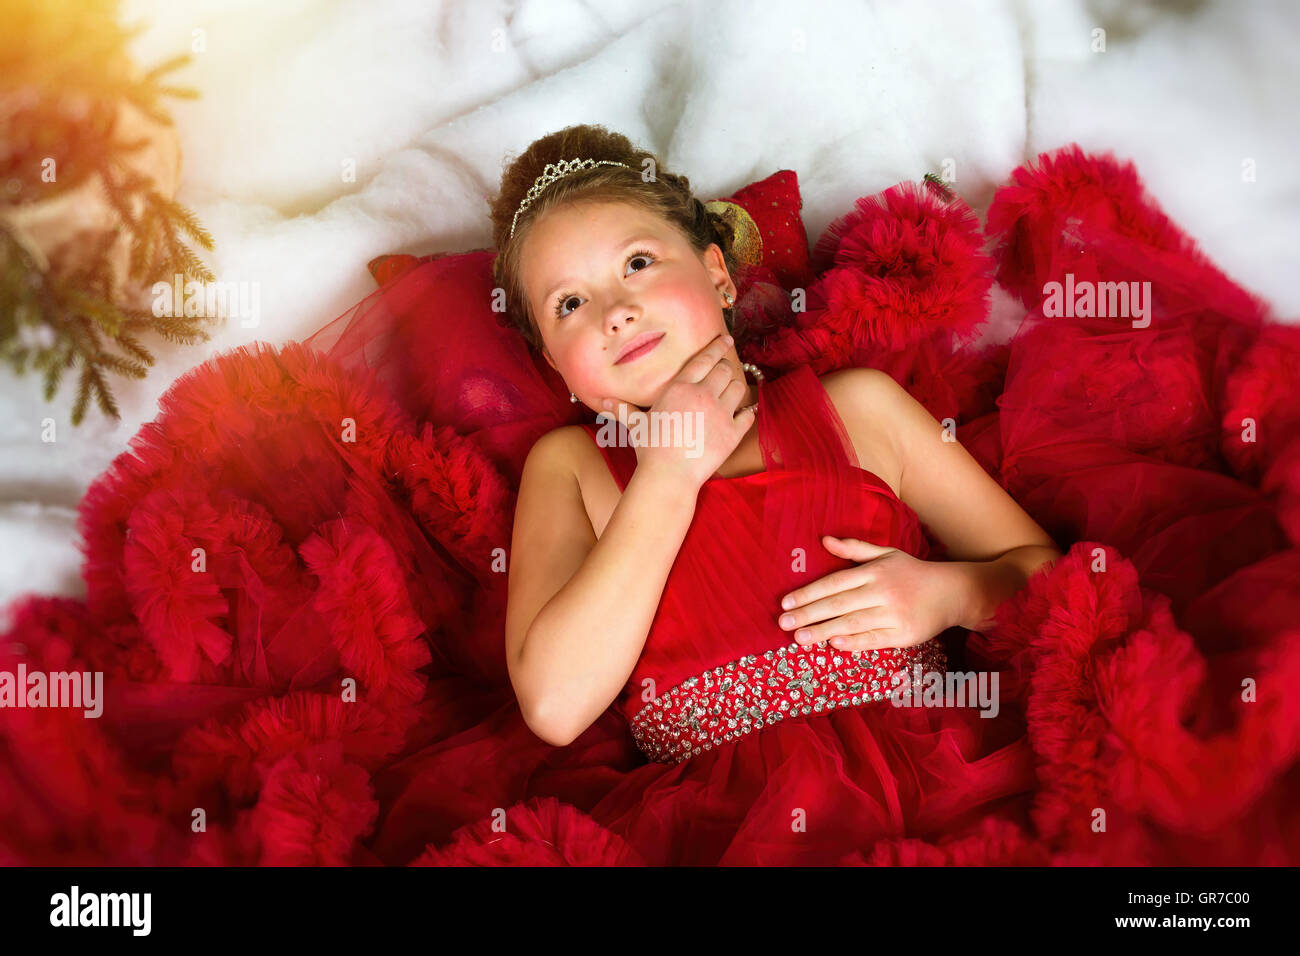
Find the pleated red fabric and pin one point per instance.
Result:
(804, 788)
(755, 538)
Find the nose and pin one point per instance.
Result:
(620, 315)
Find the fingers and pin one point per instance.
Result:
(620, 410)
(833, 583)
(855, 549)
(732, 393)
(718, 378)
(705, 360)
(615, 409)
(814, 626)
(877, 639)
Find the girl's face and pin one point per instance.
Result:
(597, 276)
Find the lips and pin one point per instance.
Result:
(639, 346)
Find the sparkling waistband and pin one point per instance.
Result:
(727, 702)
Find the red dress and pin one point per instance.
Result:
(772, 752)
(759, 751)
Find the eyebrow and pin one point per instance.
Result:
(639, 237)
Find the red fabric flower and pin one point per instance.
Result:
(1282, 481)
(1084, 647)
(992, 842)
(904, 264)
(906, 281)
(1260, 412)
(363, 599)
(457, 494)
(227, 759)
(1064, 208)
(539, 832)
(313, 808)
(68, 797)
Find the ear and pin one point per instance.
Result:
(716, 266)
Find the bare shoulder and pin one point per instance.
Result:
(562, 448)
(568, 452)
(855, 378)
(864, 398)
(551, 484)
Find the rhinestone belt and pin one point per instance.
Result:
(727, 702)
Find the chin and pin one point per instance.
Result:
(643, 399)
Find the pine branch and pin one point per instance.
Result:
(54, 372)
(82, 336)
(149, 91)
(157, 253)
(180, 92)
(105, 398)
(189, 223)
(167, 66)
(192, 264)
(119, 364)
(149, 108)
(56, 316)
(937, 185)
(132, 345)
(18, 357)
(181, 331)
(118, 194)
(141, 243)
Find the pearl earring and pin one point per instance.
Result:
(572, 397)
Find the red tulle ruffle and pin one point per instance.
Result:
(296, 575)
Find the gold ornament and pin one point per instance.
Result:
(748, 244)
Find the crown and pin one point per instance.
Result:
(553, 173)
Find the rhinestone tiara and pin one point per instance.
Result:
(553, 173)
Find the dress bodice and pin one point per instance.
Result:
(716, 663)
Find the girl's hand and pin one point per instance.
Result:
(705, 391)
(890, 599)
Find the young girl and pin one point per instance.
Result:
(755, 606)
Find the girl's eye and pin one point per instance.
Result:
(564, 297)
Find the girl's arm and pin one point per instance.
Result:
(580, 608)
(994, 546)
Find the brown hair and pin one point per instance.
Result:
(666, 194)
